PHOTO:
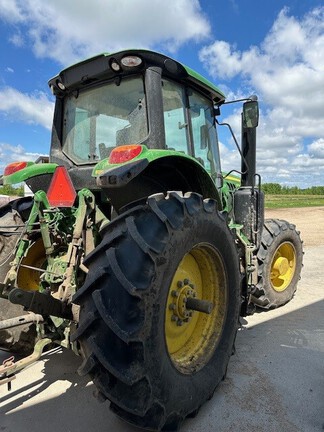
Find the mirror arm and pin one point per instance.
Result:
(236, 143)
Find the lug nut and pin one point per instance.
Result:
(180, 284)
(174, 318)
(186, 281)
(174, 293)
(172, 306)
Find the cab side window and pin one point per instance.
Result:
(176, 127)
(190, 124)
(203, 131)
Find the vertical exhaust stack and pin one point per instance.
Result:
(249, 200)
(248, 163)
(250, 121)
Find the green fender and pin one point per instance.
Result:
(153, 171)
(31, 170)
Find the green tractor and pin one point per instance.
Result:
(136, 251)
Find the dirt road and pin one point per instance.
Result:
(309, 221)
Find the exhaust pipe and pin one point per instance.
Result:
(248, 163)
(249, 201)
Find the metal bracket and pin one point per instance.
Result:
(39, 303)
(9, 367)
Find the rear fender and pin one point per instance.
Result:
(31, 170)
(137, 180)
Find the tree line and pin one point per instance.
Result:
(268, 188)
(12, 191)
(277, 189)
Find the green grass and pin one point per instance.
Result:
(285, 201)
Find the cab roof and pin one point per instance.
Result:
(99, 68)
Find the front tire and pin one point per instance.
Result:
(145, 352)
(280, 261)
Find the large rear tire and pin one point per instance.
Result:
(156, 360)
(17, 339)
(280, 261)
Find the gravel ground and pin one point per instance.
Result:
(275, 382)
(309, 221)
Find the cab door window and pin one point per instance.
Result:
(204, 132)
(175, 123)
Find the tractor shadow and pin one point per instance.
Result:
(51, 396)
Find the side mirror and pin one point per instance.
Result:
(250, 114)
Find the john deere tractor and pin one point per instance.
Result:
(135, 250)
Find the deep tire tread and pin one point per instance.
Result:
(123, 369)
(119, 274)
(132, 400)
(125, 335)
(84, 326)
(88, 365)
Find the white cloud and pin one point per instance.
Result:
(17, 39)
(316, 149)
(222, 59)
(11, 11)
(287, 72)
(230, 159)
(11, 153)
(65, 32)
(34, 109)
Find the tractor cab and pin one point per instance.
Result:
(132, 98)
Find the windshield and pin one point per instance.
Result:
(101, 118)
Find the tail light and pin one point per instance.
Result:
(61, 192)
(124, 153)
(14, 167)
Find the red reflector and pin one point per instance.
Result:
(14, 167)
(124, 153)
(61, 192)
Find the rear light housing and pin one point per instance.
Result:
(124, 153)
(14, 167)
(61, 192)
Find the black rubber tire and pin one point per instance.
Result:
(123, 302)
(275, 233)
(17, 339)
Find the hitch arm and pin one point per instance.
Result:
(21, 320)
(9, 367)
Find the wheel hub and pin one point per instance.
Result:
(185, 290)
(281, 266)
(195, 305)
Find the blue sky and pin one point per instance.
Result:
(274, 49)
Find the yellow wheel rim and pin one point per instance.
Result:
(283, 267)
(192, 336)
(28, 278)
